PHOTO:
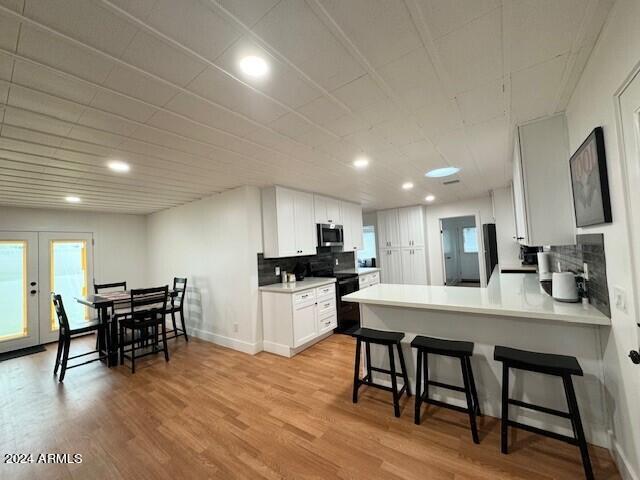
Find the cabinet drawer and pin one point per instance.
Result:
(374, 278)
(327, 323)
(328, 305)
(363, 281)
(326, 291)
(303, 298)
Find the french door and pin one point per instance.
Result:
(32, 265)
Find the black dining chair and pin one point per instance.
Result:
(148, 308)
(177, 306)
(69, 329)
(118, 311)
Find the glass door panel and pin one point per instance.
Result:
(18, 290)
(65, 268)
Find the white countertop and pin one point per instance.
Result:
(359, 270)
(309, 282)
(508, 294)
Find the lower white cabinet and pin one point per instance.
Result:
(391, 265)
(367, 279)
(293, 321)
(414, 269)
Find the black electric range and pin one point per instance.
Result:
(346, 282)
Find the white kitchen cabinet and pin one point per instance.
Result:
(327, 210)
(287, 223)
(411, 226)
(352, 226)
(401, 245)
(295, 320)
(542, 184)
(414, 268)
(368, 279)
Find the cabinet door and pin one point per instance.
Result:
(320, 209)
(304, 324)
(356, 227)
(519, 205)
(286, 219)
(404, 226)
(347, 228)
(419, 263)
(395, 266)
(416, 226)
(391, 233)
(334, 211)
(406, 259)
(305, 232)
(382, 233)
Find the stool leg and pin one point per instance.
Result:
(394, 382)
(504, 432)
(367, 352)
(474, 392)
(403, 366)
(470, 404)
(418, 403)
(577, 425)
(425, 375)
(356, 373)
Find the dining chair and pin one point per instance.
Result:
(118, 311)
(69, 329)
(177, 306)
(148, 308)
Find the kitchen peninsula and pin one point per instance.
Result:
(513, 311)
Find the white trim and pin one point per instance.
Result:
(480, 241)
(277, 348)
(624, 467)
(233, 343)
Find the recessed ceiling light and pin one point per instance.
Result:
(442, 172)
(429, 198)
(361, 162)
(254, 66)
(407, 186)
(72, 199)
(118, 166)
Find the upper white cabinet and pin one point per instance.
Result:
(541, 184)
(327, 210)
(287, 223)
(388, 229)
(352, 226)
(411, 225)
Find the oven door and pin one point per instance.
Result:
(330, 235)
(348, 312)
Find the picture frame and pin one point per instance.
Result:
(590, 181)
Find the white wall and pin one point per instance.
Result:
(120, 240)
(616, 54)
(480, 206)
(214, 242)
(508, 247)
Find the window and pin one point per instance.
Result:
(470, 240)
(69, 277)
(368, 243)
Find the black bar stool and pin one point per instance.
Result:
(559, 365)
(449, 348)
(389, 339)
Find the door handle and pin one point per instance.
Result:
(33, 284)
(33, 292)
(634, 355)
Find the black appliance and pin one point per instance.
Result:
(490, 248)
(348, 313)
(300, 270)
(529, 255)
(330, 235)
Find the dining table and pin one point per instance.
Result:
(118, 302)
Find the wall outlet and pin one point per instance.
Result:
(235, 327)
(620, 299)
(337, 262)
(277, 271)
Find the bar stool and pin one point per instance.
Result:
(388, 339)
(448, 348)
(559, 365)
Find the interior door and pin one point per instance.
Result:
(630, 113)
(18, 290)
(450, 253)
(66, 268)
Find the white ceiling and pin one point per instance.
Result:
(413, 84)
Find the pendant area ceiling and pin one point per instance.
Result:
(412, 84)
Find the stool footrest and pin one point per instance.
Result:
(546, 433)
(450, 406)
(446, 385)
(370, 383)
(384, 370)
(538, 408)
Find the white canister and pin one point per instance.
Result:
(563, 287)
(544, 266)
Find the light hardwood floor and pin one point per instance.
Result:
(212, 412)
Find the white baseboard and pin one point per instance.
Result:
(624, 467)
(234, 343)
(277, 348)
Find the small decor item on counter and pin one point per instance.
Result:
(544, 266)
(583, 293)
(590, 182)
(564, 287)
(285, 277)
(292, 277)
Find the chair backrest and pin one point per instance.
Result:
(116, 286)
(63, 321)
(146, 302)
(179, 285)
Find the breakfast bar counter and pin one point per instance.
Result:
(513, 311)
